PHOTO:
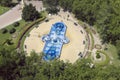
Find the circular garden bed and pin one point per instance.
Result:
(100, 58)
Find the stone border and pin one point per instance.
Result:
(97, 46)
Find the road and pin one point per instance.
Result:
(14, 14)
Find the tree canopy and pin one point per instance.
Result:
(29, 13)
(6, 2)
(17, 66)
(51, 6)
(105, 15)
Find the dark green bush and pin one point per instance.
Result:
(12, 31)
(4, 31)
(16, 24)
(9, 41)
(98, 55)
(29, 13)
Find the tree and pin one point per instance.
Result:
(6, 2)
(10, 62)
(49, 3)
(52, 10)
(51, 6)
(29, 13)
(118, 48)
(105, 16)
(18, 1)
(66, 4)
(98, 55)
(17, 66)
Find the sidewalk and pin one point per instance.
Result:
(15, 13)
(11, 16)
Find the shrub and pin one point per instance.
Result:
(16, 24)
(12, 31)
(29, 13)
(9, 41)
(98, 55)
(4, 31)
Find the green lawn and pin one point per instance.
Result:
(4, 37)
(107, 60)
(112, 53)
(3, 9)
(92, 39)
(14, 38)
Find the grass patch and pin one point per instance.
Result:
(112, 52)
(28, 29)
(98, 55)
(5, 36)
(3, 9)
(19, 30)
(101, 63)
(43, 13)
(92, 39)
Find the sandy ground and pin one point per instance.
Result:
(69, 51)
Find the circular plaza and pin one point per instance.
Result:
(71, 51)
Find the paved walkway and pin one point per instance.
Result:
(37, 4)
(14, 14)
(10, 17)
